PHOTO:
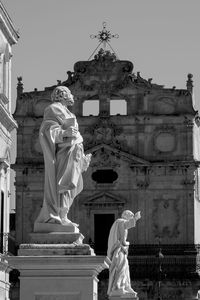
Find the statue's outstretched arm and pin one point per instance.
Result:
(130, 223)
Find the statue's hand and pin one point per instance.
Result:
(137, 215)
(70, 132)
(88, 157)
(125, 243)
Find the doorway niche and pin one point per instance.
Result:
(102, 210)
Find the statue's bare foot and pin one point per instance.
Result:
(66, 221)
(54, 220)
(130, 291)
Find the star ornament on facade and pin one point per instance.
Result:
(104, 36)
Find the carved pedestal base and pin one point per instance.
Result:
(56, 238)
(58, 277)
(51, 227)
(123, 297)
(54, 249)
(57, 266)
(4, 278)
(55, 243)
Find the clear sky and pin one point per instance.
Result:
(161, 38)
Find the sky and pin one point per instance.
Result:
(160, 37)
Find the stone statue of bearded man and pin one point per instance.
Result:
(64, 160)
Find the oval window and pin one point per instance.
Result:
(104, 176)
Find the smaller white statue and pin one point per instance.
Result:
(119, 274)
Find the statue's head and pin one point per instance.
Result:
(62, 94)
(127, 214)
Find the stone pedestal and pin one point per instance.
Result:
(58, 277)
(52, 227)
(123, 297)
(4, 278)
(67, 238)
(57, 266)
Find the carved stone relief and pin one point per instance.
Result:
(104, 131)
(104, 158)
(165, 142)
(104, 200)
(104, 73)
(166, 218)
(142, 183)
(165, 105)
(165, 139)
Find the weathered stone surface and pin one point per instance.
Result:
(49, 227)
(54, 249)
(55, 277)
(124, 297)
(56, 238)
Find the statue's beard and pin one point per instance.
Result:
(67, 102)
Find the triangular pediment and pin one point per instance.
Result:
(105, 152)
(104, 199)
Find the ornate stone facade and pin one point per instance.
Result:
(8, 37)
(145, 160)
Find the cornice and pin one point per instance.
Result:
(4, 98)
(135, 160)
(7, 26)
(6, 118)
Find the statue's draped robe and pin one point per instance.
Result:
(119, 275)
(63, 158)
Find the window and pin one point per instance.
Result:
(118, 107)
(91, 107)
(104, 176)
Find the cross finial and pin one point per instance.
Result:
(104, 36)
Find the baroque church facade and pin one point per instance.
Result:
(146, 158)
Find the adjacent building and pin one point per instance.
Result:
(8, 37)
